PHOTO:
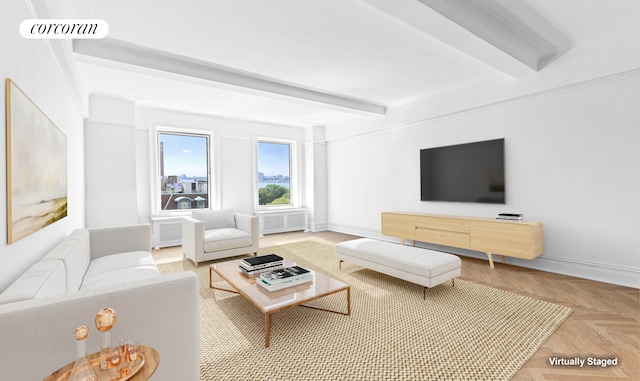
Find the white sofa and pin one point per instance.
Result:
(215, 234)
(89, 270)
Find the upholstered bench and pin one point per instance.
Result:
(425, 267)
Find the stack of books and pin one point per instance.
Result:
(283, 278)
(510, 216)
(255, 266)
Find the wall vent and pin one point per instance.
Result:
(282, 221)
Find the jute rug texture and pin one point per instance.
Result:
(466, 332)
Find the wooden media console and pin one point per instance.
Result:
(519, 239)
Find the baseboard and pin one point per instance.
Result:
(318, 227)
(596, 271)
(351, 230)
(601, 272)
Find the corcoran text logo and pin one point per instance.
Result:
(64, 28)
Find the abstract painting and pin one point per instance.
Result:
(36, 167)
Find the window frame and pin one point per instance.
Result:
(295, 190)
(156, 191)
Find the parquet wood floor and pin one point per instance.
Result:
(605, 322)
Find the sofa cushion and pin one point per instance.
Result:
(118, 268)
(74, 252)
(216, 219)
(44, 278)
(223, 239)
(117, 262)
(117, 277)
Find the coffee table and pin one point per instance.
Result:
(271, 302)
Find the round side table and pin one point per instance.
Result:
(151, 360)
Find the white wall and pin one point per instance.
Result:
(234, 170)
(111, 184)
(571, 162)
(315, 171)
(32, 66)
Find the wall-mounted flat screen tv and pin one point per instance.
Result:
(471, 172)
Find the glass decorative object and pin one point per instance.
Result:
(82, 369)
(105, 320)
(113, 361)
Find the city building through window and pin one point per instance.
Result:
(184, 170)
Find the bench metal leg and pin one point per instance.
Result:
(424, 290)
(340, 264)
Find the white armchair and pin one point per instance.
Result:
(209, 235)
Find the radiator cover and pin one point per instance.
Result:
(167, 231)
(282, 221)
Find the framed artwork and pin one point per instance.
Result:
(36, 167)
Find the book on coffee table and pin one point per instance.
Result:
(280, 286)
(256, 272)
(262, 261)
(284, 275)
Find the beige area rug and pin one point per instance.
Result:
(466, 332)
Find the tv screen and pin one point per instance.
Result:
(472, 172)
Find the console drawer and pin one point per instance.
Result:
(398, 225)
(443, 223)
(442, 237)
(514, 239)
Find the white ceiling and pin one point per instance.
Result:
(385, 52)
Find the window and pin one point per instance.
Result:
(183, 163)
(274, 173)
(183, 202)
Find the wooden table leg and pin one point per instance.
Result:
(267, 329)
(490, 260)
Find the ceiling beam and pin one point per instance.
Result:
(507, 35)
(514, 27)
(124, 52)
